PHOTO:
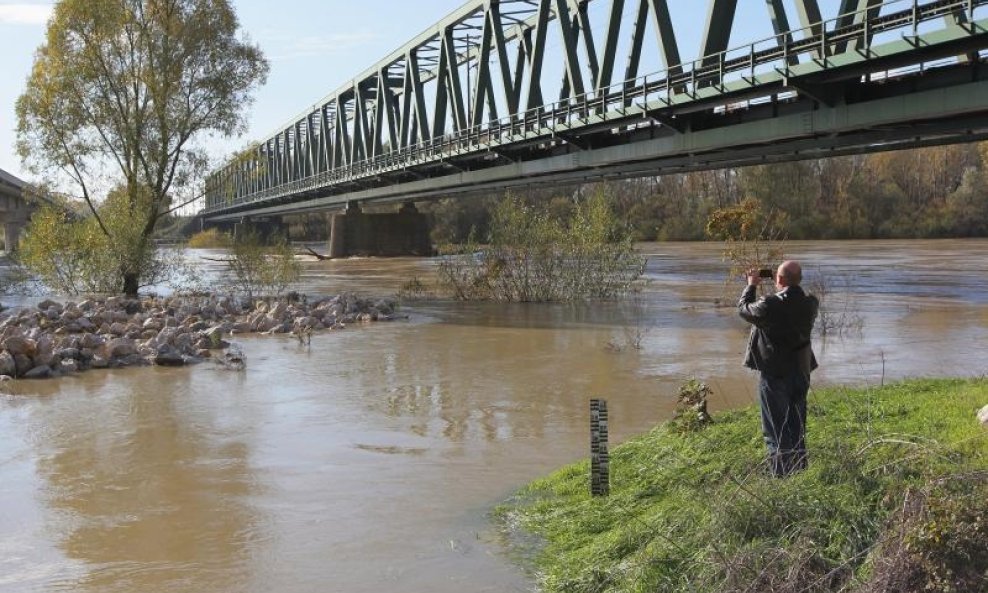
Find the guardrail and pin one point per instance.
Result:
(772, 57)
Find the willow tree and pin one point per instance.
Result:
(122, 94)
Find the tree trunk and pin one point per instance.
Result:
(130, 284)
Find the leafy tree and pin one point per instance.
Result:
(752, 236)
(65, 254)
(73, 255)
(119, 94)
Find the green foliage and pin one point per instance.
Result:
(691, 412)
(453, 220)
(66, 254)
(75, 256)
(535, 257)
(699, 512)
(209, 239)
(119, 93)
(259, 269)
(941, 543)
(926, 192)
(752, 236)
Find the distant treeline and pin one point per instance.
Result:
(920, 193)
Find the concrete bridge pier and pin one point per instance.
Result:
(12, 235)
(354, 232)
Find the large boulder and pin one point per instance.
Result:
(214, 335)
(38, 372)
(85, 324)
(91, 341)
(7, 364)
(168, 356)
(48, 304)
(23, 363)
(45, 351)
(183, 341)
(19, 345)
(120, 348)
(278, 311)
(68, 353)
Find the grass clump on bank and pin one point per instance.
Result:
(210, 239)
(894, 500)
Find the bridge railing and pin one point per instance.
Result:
(766, 61)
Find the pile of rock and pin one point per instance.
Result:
(54, 338)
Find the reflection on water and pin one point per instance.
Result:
(141, 484)
(368, 462)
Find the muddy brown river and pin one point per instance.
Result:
(370, 461)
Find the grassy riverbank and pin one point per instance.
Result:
(894, 500)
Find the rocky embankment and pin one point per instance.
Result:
(54, 339)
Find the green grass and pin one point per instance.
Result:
(699, 513)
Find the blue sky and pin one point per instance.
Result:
(314, 46)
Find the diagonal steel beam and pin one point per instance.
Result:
(856, 12)
(569, 28)
(586, 28)
(717, 34)
(780, 25)
(441, 103)
(811, 20)
(454, 89)
(536, 56)
(667, 36)
(420, 118)
(500, 43)
(603, 79)
(483, 83)
(342, 149)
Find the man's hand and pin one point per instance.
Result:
(754, 278)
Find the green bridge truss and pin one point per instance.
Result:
(461, 108)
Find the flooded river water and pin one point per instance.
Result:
(369, 462)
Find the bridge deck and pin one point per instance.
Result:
(897, 82)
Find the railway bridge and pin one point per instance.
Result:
(508, 93)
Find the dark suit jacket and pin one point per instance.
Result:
(780, 337)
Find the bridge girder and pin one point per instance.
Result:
(456, 90)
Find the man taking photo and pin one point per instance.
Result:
(779, 349)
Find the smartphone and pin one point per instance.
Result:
(766, 273)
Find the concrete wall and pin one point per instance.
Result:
(405, 232)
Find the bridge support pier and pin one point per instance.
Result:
(354, 232)
(12, 235)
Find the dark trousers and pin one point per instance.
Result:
(783, 405)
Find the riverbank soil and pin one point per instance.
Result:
(893, 500)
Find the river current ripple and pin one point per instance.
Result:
(370, 461)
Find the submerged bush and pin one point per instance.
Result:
(259, 269)
(209, 239)
(533, 257)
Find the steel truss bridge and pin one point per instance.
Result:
(462, 108)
